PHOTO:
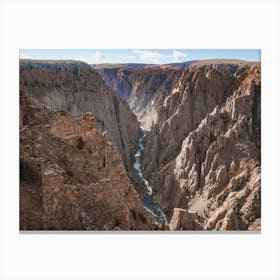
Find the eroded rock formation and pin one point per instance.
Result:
(203, 155)
(74, 87)
(71, 177)
(143, 86)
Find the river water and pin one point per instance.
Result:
(149, 205)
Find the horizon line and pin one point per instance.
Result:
(139, 63)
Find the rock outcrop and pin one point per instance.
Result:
(74, 87)
(183, 220)
(71, 177)
(203, 154)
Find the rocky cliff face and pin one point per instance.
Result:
(144, 87)
(203, 154)
(74, 87)
(71, 176)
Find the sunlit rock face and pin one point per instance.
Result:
(203, 154)
(143, 86)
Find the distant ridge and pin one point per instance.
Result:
(51, 64)
(178, 65)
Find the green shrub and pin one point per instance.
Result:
(80, 143)
(27, 173)
(75, 69)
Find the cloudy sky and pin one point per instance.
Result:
(156, 56)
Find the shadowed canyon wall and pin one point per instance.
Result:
(77, 89)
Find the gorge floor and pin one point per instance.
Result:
(148, 202)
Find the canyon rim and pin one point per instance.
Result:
(140, 140)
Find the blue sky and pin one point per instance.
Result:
(157, 56)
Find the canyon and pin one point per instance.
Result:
(143, 86)
(140, 146)
(72, 177)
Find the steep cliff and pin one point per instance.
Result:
(203, 154)
(71, 177)
(74, 87)
(143, 86)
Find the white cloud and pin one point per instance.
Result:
(156, 57)
(178, 55)
(97, 55)
(80, 58)
(148, 56)
(24, 56)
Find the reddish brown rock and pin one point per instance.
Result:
(67, 186)
(75, 88)
(183, 220)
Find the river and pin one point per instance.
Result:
(149, 205)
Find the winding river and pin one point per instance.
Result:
(148, 199)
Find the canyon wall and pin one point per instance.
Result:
(71, 177)
(74, 87)
(143, 86)
(202, 157)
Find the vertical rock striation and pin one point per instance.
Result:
(143, 86)
(203, 154)
(74, 87)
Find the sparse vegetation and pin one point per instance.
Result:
(142, 218)
(133, 212)
(27, 172)
(223, 115)
(199, 218)
(80, 143)
(75, 69)
(212, 137)
(69, 172)
(117, 223)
